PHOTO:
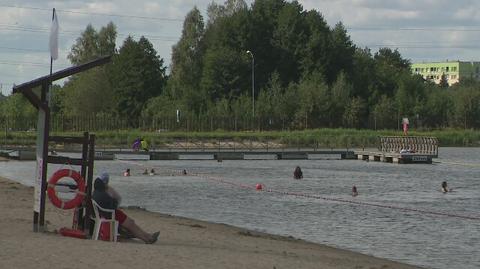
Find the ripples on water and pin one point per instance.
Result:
(426, 240)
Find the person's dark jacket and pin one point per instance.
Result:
(101, 196)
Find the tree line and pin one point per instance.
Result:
(307, 75)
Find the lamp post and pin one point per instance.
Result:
(253, 82)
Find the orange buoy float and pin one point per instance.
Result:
(52, 194)
(259, 186)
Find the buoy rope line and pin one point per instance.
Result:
(312, 196)
(461, 164)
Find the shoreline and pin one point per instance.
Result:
(183, 243)
(321, 137)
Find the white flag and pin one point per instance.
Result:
(53, 44)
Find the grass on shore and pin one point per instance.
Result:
(329, 138)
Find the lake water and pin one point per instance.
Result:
(225, 194)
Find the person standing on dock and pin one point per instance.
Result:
(144, 144)
(405, 126)
(136, 144)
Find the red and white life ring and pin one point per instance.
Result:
(52, 194)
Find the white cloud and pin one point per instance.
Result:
(420, 29)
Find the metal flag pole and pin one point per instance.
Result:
(51, 56)
(43, 127)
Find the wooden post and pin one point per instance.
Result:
(89, 178)
(83, 172)
(42, 154)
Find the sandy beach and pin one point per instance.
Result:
(183, 243)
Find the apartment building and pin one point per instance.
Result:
(453, 70)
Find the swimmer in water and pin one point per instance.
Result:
(298, 174)
(445, 187)
(354, 191)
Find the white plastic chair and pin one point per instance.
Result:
(99, 220)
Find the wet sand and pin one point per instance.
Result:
(183, 243)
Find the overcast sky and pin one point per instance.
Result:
(422, 30)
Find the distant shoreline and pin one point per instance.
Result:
(313, 138)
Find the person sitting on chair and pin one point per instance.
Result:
(108, 198)
(126, 173)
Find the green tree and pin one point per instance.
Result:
(288, 40)
(222, 73)
(89, 92)
(92, 44)
(392, 58)
(389, 67)
(466, 107)
(317, 50)
(281, 104)
(221, 111)
(57, 102)
(313, 102)
(443, 81)
(277, 104)
(187, 56)
(354, 113)
(261, 24)
(411, 90)
(161, 106)
(227, 67)
(364, 75)
(437, 107)
(242, 111)
(264, 109)
(340, 97)
(106, 40)
(385, 114)
(341, 57)
(139, 76)
(17, 106)
(229, 8)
